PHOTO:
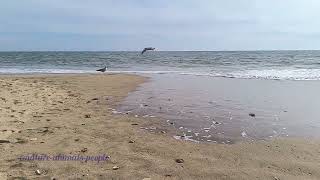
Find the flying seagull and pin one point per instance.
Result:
(147, 49)
(103, 69)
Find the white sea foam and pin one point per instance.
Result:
(279, 74)
(273, 74)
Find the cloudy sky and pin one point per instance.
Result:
(164, 24)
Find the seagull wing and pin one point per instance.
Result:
(144, 50)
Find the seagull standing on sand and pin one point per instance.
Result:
(103, 69)
(147, 49)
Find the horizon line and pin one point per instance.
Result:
(158, 50)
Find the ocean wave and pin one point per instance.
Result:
(271, 74)
(279, 74)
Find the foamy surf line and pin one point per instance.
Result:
(297, 75)
(272, 74)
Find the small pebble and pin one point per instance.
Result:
(84, 150)
(38, 172)
(179, 161)
(115, 167)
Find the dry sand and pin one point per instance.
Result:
(71, 115)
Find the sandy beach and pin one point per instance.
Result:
(74, 115)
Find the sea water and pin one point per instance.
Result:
(208, 96)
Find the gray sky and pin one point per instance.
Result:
(164, 24)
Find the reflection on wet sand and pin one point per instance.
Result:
(227, 110)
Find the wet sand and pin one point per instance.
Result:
(218, 109)
(74, 115)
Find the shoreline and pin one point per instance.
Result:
(218, 109)
(83, 124)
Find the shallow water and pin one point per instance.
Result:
(217, 109)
